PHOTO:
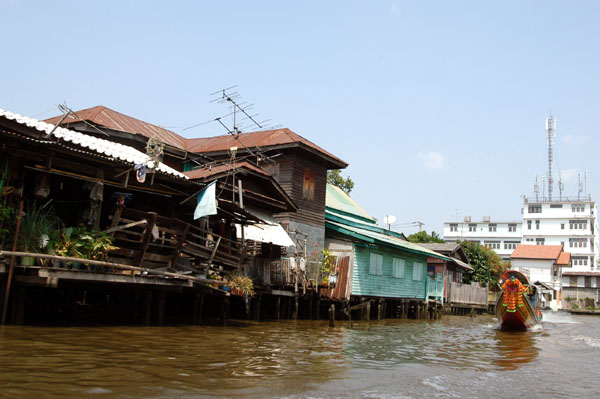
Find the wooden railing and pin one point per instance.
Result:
(471, 294)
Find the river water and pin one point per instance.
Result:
(456, 357)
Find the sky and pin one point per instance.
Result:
(438, 107)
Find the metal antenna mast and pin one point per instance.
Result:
(550, 130)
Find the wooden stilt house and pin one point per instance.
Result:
(375, 264)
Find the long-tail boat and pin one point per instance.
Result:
(518, 307)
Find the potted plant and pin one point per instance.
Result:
(39, 227)
(83, 243)
(241, 286)
(327, 267)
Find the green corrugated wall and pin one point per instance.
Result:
(365, 284)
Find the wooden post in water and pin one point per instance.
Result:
(224, 310)
(277, 307)
(162, 298)
(147, 307)
(368, 312)
(295, 315)
(379, 309)
(257, 307)
(332, 315)
(310, 306)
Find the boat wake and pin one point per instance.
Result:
(558, 318)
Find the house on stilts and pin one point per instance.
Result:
(378, 273)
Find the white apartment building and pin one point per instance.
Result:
(571, 223)
(502, 237)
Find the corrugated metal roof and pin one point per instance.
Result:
(337, 199)
(381, 238)
(537, 252)
(262, 139)
(111, 119)
(207, 171)
(98, 145)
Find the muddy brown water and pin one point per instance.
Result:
(456, 357)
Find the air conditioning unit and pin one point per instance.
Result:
(467, 219)
(486, 218)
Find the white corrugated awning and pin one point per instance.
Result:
(273, 233)
(98, 145)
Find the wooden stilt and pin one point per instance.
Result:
(257, 307)
(162, 298)
(332, 315)
(295, 315)
(368, 312)
(18, 311)
(379, 310)
(277, 307)
(310, 306)
(148, 308)
(225, 310)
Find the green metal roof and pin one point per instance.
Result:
(337, 199)
(381, 238)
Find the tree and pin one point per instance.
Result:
(487, 264)
(334, 177)
(423, 237)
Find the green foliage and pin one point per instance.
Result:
(334, 177)
(487, 264)
(327, 265)
(8, 217)
(39, 228)
(80, 242)
(242, 284)
(423, 237)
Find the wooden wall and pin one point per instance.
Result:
(291, 179)
(365, 284)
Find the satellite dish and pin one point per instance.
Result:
(389, 219)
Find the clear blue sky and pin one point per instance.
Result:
(438, 106)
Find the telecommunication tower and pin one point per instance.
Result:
(550, 130)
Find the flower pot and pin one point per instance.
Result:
(27, 261)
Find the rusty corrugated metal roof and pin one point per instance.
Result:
(263, 140)
(208, 171)
(111, 119)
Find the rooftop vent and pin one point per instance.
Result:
(486, 218)
(467, 219)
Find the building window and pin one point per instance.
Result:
(492, 244)
(309, 185)
(417, 271)
(537, 224)
(512, 228)
(454, 227)
(398, 269)
(492, 228)
(572, 281)
(376, 265)
(579, 260)
(578, 242)
(555, 205)
(529, 239)
(562, 226)
(472, 227)
(540, 241)
(511, 244)
(588, 282)
(529, 225)
(578, 224)
(578, 207)
(535, 209)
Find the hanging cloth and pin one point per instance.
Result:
(206, 201)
